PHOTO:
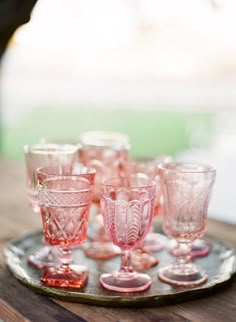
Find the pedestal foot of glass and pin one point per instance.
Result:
(73, 276)
(143, 260)
(101, 250)
(44, 257)
(200, 248)
(186, 275)
(125, 282)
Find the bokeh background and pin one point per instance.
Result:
(162, 71)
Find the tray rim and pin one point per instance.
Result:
(116, 300)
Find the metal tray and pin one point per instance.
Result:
(220, 265)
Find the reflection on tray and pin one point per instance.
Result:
(220, 265)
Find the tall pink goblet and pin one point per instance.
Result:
(128, 208)
(105, 152)
(187, 188)
(142, 256)
(38, 155)
(154, 242)
(65, 199)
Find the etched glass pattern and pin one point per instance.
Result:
(187, 189)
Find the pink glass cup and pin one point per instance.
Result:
(128, 208)
(105, 152)
(187, 188)
(154, 242)
(38, 155)
(65, 199)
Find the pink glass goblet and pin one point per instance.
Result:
(38, 155)
(128, 208)
(103, 151)
(154, 242)
(142, 257)
(65, 201)
(187, 188)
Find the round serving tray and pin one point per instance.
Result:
(220, 265)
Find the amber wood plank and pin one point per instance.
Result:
(29, 305)
(94, 313)
(9, 314)
(218, 307)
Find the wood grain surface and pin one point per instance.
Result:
(18, 303)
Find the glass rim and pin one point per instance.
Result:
(43, 188)
(104, 140)
(187, 167)
(86, 171)
(100, 134)
(56, 148)
(151, 183)
(117, 146)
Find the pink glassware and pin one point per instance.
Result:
(142, 257)
(154, 242)
(103, 151)
(199, 248)
(187, 188)
(128, 208)
(38, 155)
(65, 199)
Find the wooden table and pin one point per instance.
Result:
(18, 303)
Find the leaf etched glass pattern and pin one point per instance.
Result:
(187, 188)
(128, 209)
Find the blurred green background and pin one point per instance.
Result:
(151, 132)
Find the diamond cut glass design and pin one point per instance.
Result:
(65, 201)
(39, 155)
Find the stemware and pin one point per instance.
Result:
(187, 188)
(65, 198)
(104, 151)
(199, 247)
(128, 208)
(154, 242)
(38, 155)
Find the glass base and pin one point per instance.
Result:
(44, 257)
(74, 276)
(127, 282)
(143, 260)
(101, 250)
(186, 275)
(154, 242)
(199, 248)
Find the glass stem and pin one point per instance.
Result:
(102, 235)
(183, 256)
(126, 266)
(65, 257)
